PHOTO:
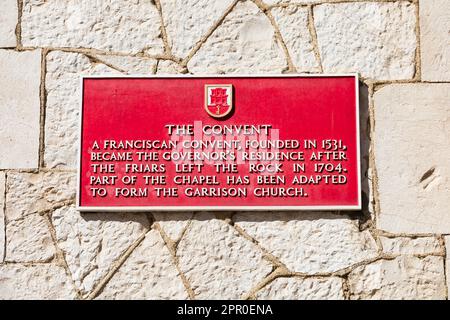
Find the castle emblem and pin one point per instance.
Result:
(218, 99)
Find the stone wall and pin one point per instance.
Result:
(393, 249)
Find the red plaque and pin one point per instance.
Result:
(219, 143)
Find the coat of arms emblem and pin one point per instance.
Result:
(218, 99)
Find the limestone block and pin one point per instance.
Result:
(110, 25)
(27, 232)
(33, 192)
(148, 273)
(377, 40)
(284, 2)
(186, 21)
(406, 277)
(173, 223)
(28, 239)
(63, 98)
(244, 43)
(434, 39)
(411, 154)
(128, 65)
(8, 22)
(42, 281)
(414, 246)
(169, 67)
(92, 242)
(309, 242)
(217, 261)
(303, 289)
(20, 104)
(275, 2)
(293, 24)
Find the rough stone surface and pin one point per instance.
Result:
(63, 99)
(415, 246)
(27, 233)
(217, 261)
(405, 277)
(434, 39)
(109, 25)
(93, 242)
(43, 281)
(275, 2)
(309, 243)
(8, 22)
(20, 74)
(375, 39)
(169, 67)
(33, 192)
(303, 289)
(411, 154)
(244, 43)
(149, 273)
(183, 25)
(29, 240)
(293, 24)
(173, 224)
(128, 65)
(2, 216)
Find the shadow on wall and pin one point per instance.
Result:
(363, 216)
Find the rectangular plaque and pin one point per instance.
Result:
(286, 142)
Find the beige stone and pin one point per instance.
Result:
(110, 25)
(35, 192)
(149, 273)
(187, 21)
(169, 67)
(377, 40)
(217, 261)
(20, 104)
(173, 223)
(28, 239)
(243, 43)
(2, 216)
(8, 22)
(93, 242)
(411, 246)
(293, 24)
(63, 98)
(128, 65)
(434, 39)
(303, 289)
(411, 154)
(283, 2)
(405, 277)
(309, 242)
(42, 281)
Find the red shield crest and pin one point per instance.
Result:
(218, 99)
